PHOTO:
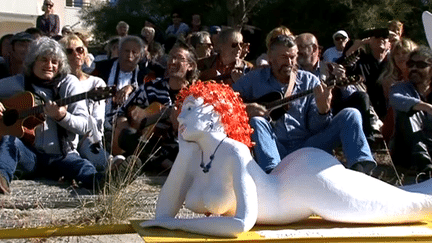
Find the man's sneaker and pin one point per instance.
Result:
(4, 185)
(364, 167)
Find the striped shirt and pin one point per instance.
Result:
(157, 90)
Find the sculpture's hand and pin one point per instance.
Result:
(167, 223)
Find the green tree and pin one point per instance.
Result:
(320, 17)
(104, 17)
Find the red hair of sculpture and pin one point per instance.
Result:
(226, 103)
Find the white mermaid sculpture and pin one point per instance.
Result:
(215, 174)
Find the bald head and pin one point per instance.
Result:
(306, 38)
(308, 51)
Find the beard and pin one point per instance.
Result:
(415, 76)
(301, 59)
(285, 69)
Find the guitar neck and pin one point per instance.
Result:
(278, 103)
(60, 102)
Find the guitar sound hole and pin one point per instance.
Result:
(10, 117)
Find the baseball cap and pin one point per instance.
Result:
(21, 36)
(214, 29)
(340, 33)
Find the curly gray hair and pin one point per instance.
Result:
(46, 47)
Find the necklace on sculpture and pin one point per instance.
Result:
(207, 167)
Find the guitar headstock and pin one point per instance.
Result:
(351, 59)
(100, 93)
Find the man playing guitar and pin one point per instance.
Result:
(149, 105)
(308, 122)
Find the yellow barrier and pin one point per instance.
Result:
(312, 230)
(44, 232)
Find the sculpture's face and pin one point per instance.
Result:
(196, 118)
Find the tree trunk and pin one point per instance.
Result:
(238, 11)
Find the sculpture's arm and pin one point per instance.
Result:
(244, 219)
(174, 190)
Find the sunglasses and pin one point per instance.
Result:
(49, 5)
(237, 44)
(418, 64)
(79, 50)
(340, 38)
(285, 40)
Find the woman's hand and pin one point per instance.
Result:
(52, 110)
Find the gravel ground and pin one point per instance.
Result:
(35, 203)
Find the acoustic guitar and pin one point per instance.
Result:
(144, 120)
(277, 105)
(22, 114)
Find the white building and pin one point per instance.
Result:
(18, 15)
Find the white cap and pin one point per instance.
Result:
(340, 32)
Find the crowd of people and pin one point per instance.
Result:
(296, 95)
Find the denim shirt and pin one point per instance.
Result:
(302, 120)
(403, 96)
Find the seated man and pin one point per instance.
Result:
(308, 121)
(411, 102)
(13, 64)
(340, 39)
(136, 114)
(374, 50)
(125, 73)
(229, 64)
(53, 149)
(202, 43)
(344, 96)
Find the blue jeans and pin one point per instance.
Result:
(15, 155)
(95, 153)
(344, 129)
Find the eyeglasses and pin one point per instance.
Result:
(237, 44)
(49, 5)
(418, 64)
(79, 50)
(208, 45)
(340, 38)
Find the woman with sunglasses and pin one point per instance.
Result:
(48, 23)
(90, 145)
